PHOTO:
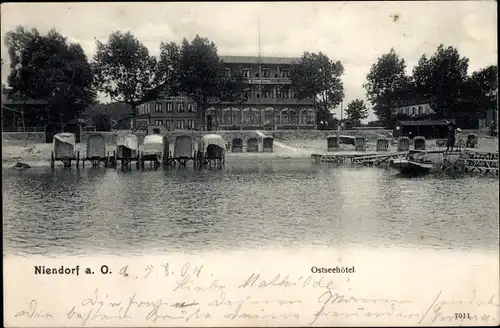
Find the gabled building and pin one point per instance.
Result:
(409, 102)
(270, 101)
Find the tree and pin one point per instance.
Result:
(102, 122)
(385, 78)
(318, 77)
(49, 69)
(195, 70)
(484, 85)
(356, 111)
(126, 72)
(442, 77)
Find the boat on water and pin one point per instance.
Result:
(413, 164)
(408, 166)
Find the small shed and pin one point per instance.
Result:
(429, 129)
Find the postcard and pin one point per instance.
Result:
(250, 164)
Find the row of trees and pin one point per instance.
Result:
(49, 68)
(442, 78)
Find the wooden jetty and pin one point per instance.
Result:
(472, 162)
(357, 157)
(464, 161)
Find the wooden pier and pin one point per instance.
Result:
(359, 158)
(472, 162)
(463, 161)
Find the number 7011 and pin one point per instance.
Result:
(462, 315)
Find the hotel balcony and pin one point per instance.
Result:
(275, 101)
(268, 80)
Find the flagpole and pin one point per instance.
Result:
(260, 66)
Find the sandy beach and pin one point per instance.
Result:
(39, 154)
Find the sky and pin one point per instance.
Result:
(355, 33)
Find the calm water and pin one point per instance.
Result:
(251, 204)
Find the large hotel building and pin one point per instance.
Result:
(270, 104)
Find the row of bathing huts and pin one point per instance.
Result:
(155, 150)
(336, 142)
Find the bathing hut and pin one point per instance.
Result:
(237, 145)
(382, 144)
(419, 143)
(64, 149)
(267, 144)
(471, 140)
(183, 149)
(127, 149)
(211, 148)
(252, 145)
(347, 140)
(403, 143)
(155, 150)
(332, 143)
(96, 150)
(359, 143)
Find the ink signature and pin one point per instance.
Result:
(33, 312)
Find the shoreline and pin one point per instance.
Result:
(39, 154)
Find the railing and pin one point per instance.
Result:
(278, 125)
(26, 129)
(268, 80)
(278, 101)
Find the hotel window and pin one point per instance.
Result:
(226, 117)
(246, 73)
(169, 124)
(158, 107)
(311, 117)
(191, 124)
(284, 73)
(266, 72)
(170, 107)
(180, 107)
(294, 117)
(190, 107)
(414, 110)
(236, 117)
(180, 125)
(251, 117)
(228, 72)
(268, 117)
(267, 93)
(158, 122)
(420, 110)
(285, 92)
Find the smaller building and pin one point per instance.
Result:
(430, 129)
(172, 113)
(416, 109)
(26, 114)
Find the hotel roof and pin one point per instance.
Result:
(255, 60)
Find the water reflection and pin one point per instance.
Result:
(246, 204)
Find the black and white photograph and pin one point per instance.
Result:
(204, 164)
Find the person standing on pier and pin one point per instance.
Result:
(450, 141)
